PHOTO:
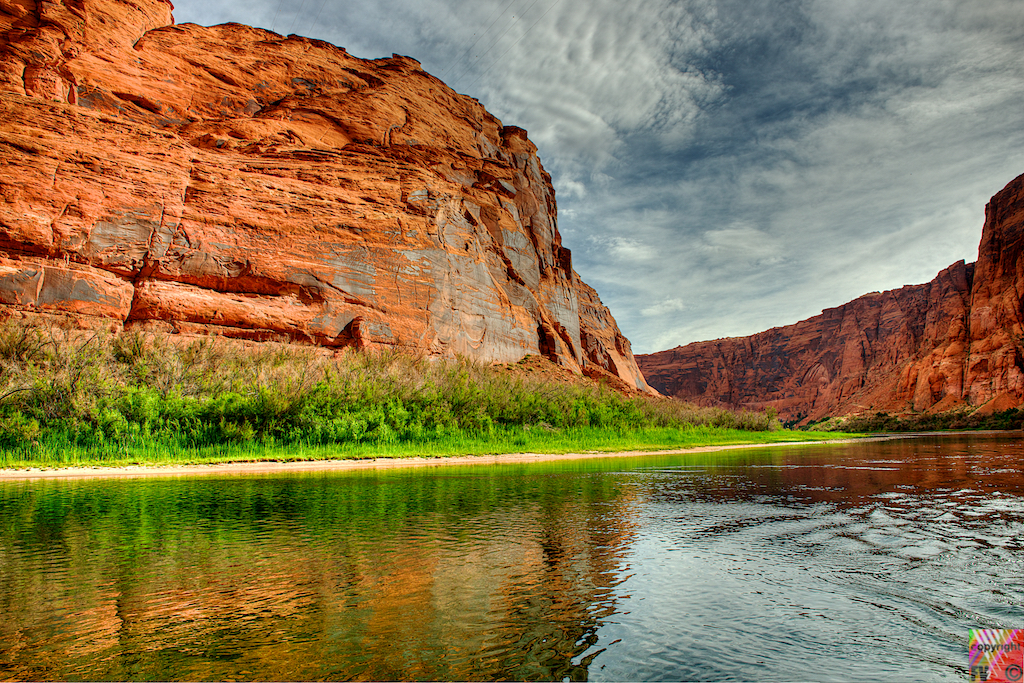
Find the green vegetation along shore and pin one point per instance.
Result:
(71, 397)
(958, 419)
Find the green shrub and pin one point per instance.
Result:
(961, 418)
(17, 430)
(141, 406)
(112, 424)
(91, 390)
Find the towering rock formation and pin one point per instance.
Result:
(957, 340)
(994, 357)
(228, 179)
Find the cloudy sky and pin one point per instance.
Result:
(725, 166)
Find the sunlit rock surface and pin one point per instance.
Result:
(955, 341)
(230, 180)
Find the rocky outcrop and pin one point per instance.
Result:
(955, 341)
(609, 352)
(231, 180)
(994, 362)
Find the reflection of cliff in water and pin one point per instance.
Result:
(849, 474)
(462, 575)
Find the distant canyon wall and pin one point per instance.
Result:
(230, 180)
(954, 341)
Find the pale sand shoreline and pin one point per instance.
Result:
(262, 467)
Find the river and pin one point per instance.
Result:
(834, 562)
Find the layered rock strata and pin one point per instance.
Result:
(231, 180)
(955, 341)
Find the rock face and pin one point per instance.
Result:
(230, 180)
(957, 340)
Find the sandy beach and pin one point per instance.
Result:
(361, 464)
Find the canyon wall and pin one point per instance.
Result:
(230, 180)
(955, 341)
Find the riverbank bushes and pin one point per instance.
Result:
(63, 389)
(951, 420)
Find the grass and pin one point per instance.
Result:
(576, 440)
(71, 397)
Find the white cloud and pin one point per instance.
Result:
(625, 249)
(568, 187)
(741, 244)
(664, 307)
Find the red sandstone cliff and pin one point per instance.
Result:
(954, 341)
(228, 179)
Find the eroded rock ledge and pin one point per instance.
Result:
(231, 180)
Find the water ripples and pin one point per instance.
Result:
(793, 552)
(859, 562)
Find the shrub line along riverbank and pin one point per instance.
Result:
(71, 397)
(273, 466)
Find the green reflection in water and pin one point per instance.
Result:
(459, 573)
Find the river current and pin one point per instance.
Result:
(838, 562)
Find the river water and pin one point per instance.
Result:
(845, 562)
